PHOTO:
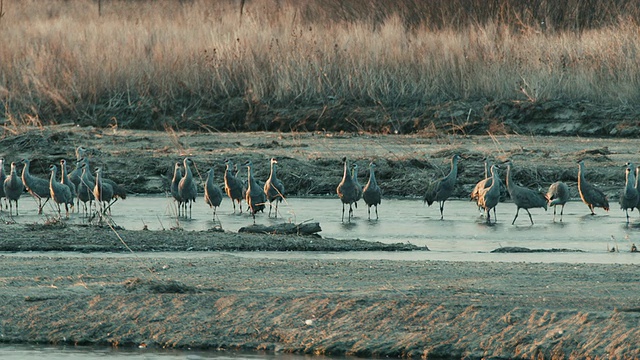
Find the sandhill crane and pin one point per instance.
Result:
(212, 193)
(187, 187)
(102, 192)
(629, 195)
(485, 183)
(13, 187)
(37, 187)
(64, 178)
(274, 188)
(85, 188)
(489, 197)
(558, 194)
(371, 193)
(60, 193)
(256, 197)
(354, 175)
(482, 184)
(637, 174)
(347, 190)
(177, 176)
(589, 194)
(3, 176)
(119, 192)
(524, 198)
(440, 190)
(233, 186)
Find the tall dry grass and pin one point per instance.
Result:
(147, 61)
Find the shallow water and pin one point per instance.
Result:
(25, 352)
(463, 235)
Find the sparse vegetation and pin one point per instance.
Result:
(304, 65)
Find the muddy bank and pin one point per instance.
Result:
(365, 308)
(58, 236)
(309, 163)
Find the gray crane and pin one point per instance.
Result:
(233, 186)
(13, 188)
(187, 187)
(60, 193)
(629, 195)
(85, 188)
(524, 198)
(558, 194)
(177, 176)
(37, 187)
(589, 194)
(346, 190)
(102, 192)
(440, 190)
(212, 193)
(256, 197)
(638, 174)
(371, 193)
(274, 188)
(65, 179)
(3, 176)
(354, 175)
(489, 197)
(119, 192)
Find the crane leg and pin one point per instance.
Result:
(342, 212)
(530, 218)
(369, 212)
(442, 210)
(554, 213)
(350, 212)
(376, 212)
(514, 219)
(561, 212)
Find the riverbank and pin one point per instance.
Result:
(339, 307)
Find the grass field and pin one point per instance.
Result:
(159, 64)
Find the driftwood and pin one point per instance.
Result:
(283, 229)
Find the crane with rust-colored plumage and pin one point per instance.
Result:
(274, 188)
(489, 197)
(346, 190)
(558, 194)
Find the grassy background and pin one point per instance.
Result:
(199, 64)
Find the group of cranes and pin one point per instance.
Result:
(81, 186)
(350, 192)
(62, 189)
(184, 189)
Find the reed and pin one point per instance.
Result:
(153, 63)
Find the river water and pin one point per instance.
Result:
(463, 235)
(33, 352)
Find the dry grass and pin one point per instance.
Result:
(143, 63)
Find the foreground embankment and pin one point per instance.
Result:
(368, 308)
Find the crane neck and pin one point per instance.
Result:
(273, 170)
(54, 172)
(372, 176)
(631, 180)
